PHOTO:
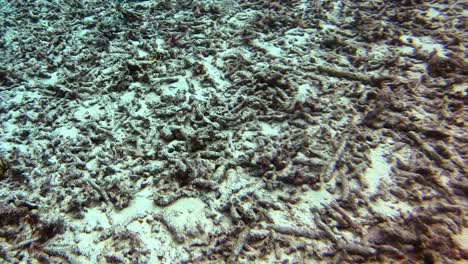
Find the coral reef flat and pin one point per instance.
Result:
(223, 131)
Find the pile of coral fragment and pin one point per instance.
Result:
(222, 131)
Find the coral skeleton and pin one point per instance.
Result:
(222, 131)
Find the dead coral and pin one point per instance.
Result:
(11, 214)
(440, 66)
(3, 168)
(251, 117)
(423, 234)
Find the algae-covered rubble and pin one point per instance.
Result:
(233, 131)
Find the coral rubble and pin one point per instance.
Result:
(227, 131)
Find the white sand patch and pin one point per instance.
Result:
(391, 208)
(311, 200)
(317, 199)
(94, 111)
(426, 44)
(173, 88)
(94, 218)
(18, 98)
(215, 73)
(462, 88)
(306, 91)
(66, 132)
(380, 169)
(300, 214)
(406, 50)
(85, 233)
(238, 51)
(432, 13)
(379, 52)
(8, 127)
(139, 207)
(87, 245)
(159, 244)
(270, 130)
(52, 80)
(280, 218)
(379, 172)
(93, 163)
(462, 238)
(127, 97)
(187, 216)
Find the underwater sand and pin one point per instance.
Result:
(230, 131)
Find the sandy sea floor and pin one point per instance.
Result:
(230, 131)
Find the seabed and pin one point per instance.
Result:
(222, 131)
